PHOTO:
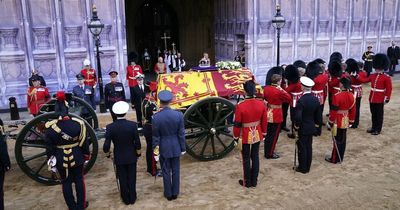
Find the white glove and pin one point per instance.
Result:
(157, 158)
(182, 153)
(52, 164)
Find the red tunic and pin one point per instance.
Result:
(89, 76)
(334, 85)
(275, 97)
(294, 89)
(36, 97)
(160, 70)
(250, 121)
(344, 109)
(357, 81)
(381, 88)
(319, 89)
(131, 72)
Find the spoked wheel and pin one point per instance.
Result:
(78, 107)
(208, 126)
(30, 149)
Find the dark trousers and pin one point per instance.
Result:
(341, 145)
(75, 175)
(2, 172)
(271, 138)
(285, 107)
(376, 116)
(251, 163)
(127, 181)
(330, 98)
(368, 67)
(392, 69)
(357, 117)
(113, 115)
(139, 116)
(132, 99)
(170, 172)
(151, 163)
(292, 116)
(304, 145)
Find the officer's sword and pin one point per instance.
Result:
(295, 156)
(337, 149)
(115, 171)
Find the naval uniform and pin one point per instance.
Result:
(149, 107)
(66, 141)
(4, 163)
(250, 125)
(113, 92)
(123, 134)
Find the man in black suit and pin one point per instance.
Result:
(125, 137)
(4, 163)
(139, 94)
(393, 52)
(307, 121)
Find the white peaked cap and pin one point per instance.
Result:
(86, 62)
(307, 82)
(121, 107)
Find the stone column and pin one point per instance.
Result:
(42, 37)
(9, 39)
(73, 36)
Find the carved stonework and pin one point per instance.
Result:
(341, 27)
(47, 67)
(357, 27)
(287, 29)
(387, 26)
(105, 36)
(13, 70)
(372, 27)
(305, 28)
(9, 39)
(73, 36)
(42, 37)
(323, 27)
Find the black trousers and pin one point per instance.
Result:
(368, 67)
(127, 182)
(376, 116)
(392, 69)
(341, 145)
(132, 99)
(139, 116)
(251, 163)
(75, 175)
(357, 117)
(285, 107)
(271, 138)
(304, 146)
(330, 100)
(2, 172)
(151, 163)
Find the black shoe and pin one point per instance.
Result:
(370, 130)
(274, 156)
(291, 135)
(86, 204)
(328, 159)
(375, 133)
(353, 126)
(254, 185)
(242, 184)
(169, 198)
(174, 197)
(297, 169)
(285, 129)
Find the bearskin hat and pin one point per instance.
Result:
(272, 71)
(335, 69)
(346, 82)
(381, 61)
(250, 88)
(299, 64)
(319, 61)
(351, 66)
(292, 74)
(336, 55)
(313, 69)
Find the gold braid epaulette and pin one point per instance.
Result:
(53, 125)
(82, 135)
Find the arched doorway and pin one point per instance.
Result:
(152, 19)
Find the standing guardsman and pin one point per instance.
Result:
(67, 147)
(249, 128)
(113, 92)
(84, 92)
(169, 143)
(138, 94)
(335, 73)
(307, 121)
(90, 78)
(294, 89)
(132, 71)
(381, 90)
(125, 137)
(340, 117)
(275, 97)
(37, 96)
(149, 107)
(368, 57)
(35, 73)
(5, 164)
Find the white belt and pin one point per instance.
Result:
(377, 90)
(317, 91)
(356, 86)
(131, 77)
(336, 88)
(296, 94)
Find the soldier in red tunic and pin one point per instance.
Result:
(37, 96)
(335, 72)
(275, 96)
(294, 89)
(381, 90)
(132, 71)
(90, 78)
(340, 117)
(249, 129)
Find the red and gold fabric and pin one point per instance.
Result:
(334, 85)
(191, 86)
(131, 72)
(89, 76)
(381, 88)
(357, 81)
(294, 89)
(36, 97)
(275, 97)
(250, 122)
(343, 109)
(319, 89)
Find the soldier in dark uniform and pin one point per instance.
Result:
(84, 92)
(307, 120)
(368, 57)
(113, 92)
(139, 93)
(393, 52)
(66, 143)
(169, 143)
(249, 128)
(5, 164)
(125, 137)
(149, 107)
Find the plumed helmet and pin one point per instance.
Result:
(335, 68)
(292, 74)
(272, 71)
(86, 62)
(352, 66)
(381, 61)
(313, 69)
